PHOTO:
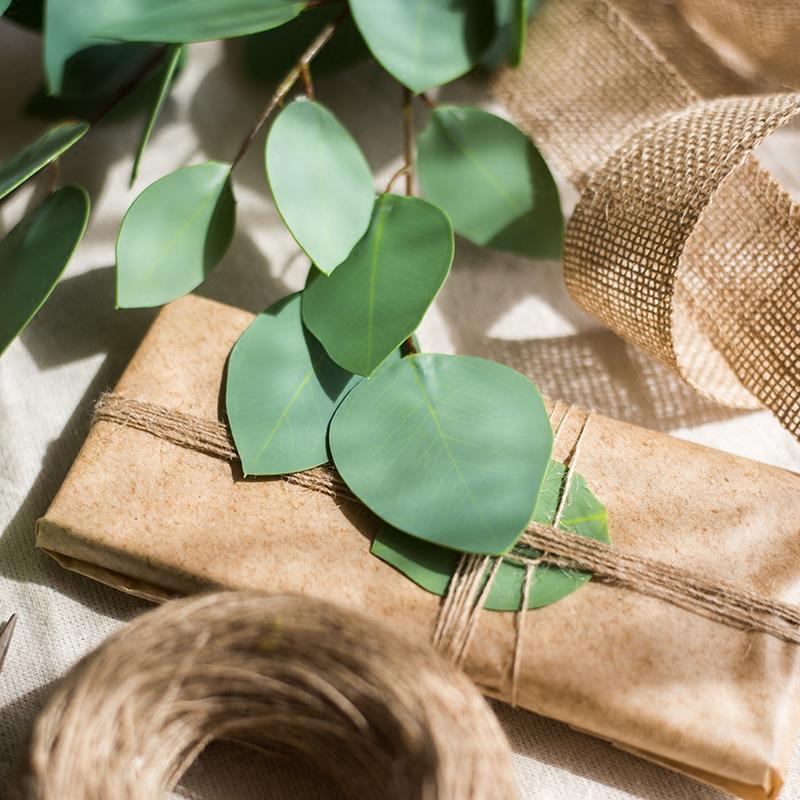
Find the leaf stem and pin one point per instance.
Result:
(408, 347)
(285, 86)
(427, 101)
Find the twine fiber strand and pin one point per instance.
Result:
(729, 605)
(384, 717)
(681, 242)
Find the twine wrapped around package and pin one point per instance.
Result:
(384, 717)
(681, 242)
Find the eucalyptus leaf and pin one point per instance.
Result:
(490, 179)
(34, 255)
(281, 392)
(377, 297)
(174, 234)
(180, 21)
(425, 43)
(451, 449)
(269, 55)
(431, 566)
(519, 30)
(4, 5)
(167, 74)
(321, 182)
(39, 154)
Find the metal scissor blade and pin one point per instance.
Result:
(5, 638)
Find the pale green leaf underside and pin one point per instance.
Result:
(321, 182)
(39, 154)
(174, 234)
(377, 297)
(34, 255)
(490, 179)
(432, 567)
(425, 43)
(451, 449)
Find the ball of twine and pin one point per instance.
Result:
(384, 717)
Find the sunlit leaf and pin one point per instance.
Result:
(378, 296)
(39, 154)
(35, 253)
(320, 181)
(492, 182)
(431, 566)
(425, 43)
(451, 449)
(174, 234)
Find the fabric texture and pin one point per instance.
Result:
(494, 305)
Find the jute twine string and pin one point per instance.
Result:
(384, 717)
(723, 603)
(681, 242)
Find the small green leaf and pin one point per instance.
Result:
(35, 253)
(174, 234)
(491, 180)
(269, 55)
(425, 43)
(320, 181)
(451, 449)
(378, 296)
(39, 154)
(166, 78)
(431, 566)
(195, 20)
(281, 392)
(519, 30)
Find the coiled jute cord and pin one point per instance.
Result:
(382, 716)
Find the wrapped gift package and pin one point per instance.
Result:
(721, 704)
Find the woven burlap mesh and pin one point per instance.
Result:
(680, 242)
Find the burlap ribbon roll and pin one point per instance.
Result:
(681, 242)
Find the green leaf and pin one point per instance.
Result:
(512, 18)
(39, 154)
(281, 392)
(35, 253)
(378, 296)
(195, 20)
(320, 181)
(269, 55)
(451, 449)
(431, 566)
(519, 30)
(174, 234)
(425, 43)
(166, 78)
(490, 179)
(4, 4)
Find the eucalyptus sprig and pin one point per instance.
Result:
(453, 450)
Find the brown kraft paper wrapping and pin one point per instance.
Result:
(715, 702)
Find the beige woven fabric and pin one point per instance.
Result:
(680, 241)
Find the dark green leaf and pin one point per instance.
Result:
(39, 154)
(519, 30)
(281, 392)
(34, 254)
(451, 449)
(320, 181)
(166, 77)
(269, 55)
(195, 20)
(425, 43)
(174, 234)
(431, 566)
(378, 296)
(492, 182)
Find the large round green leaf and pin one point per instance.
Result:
(321, 182)
(195, 20)
(492, 182)
(35, 253)
(451, 449)
(425, 43)
(431, 566)
(39, 154)
(281, 392)
(378, 296)
(174, 234)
